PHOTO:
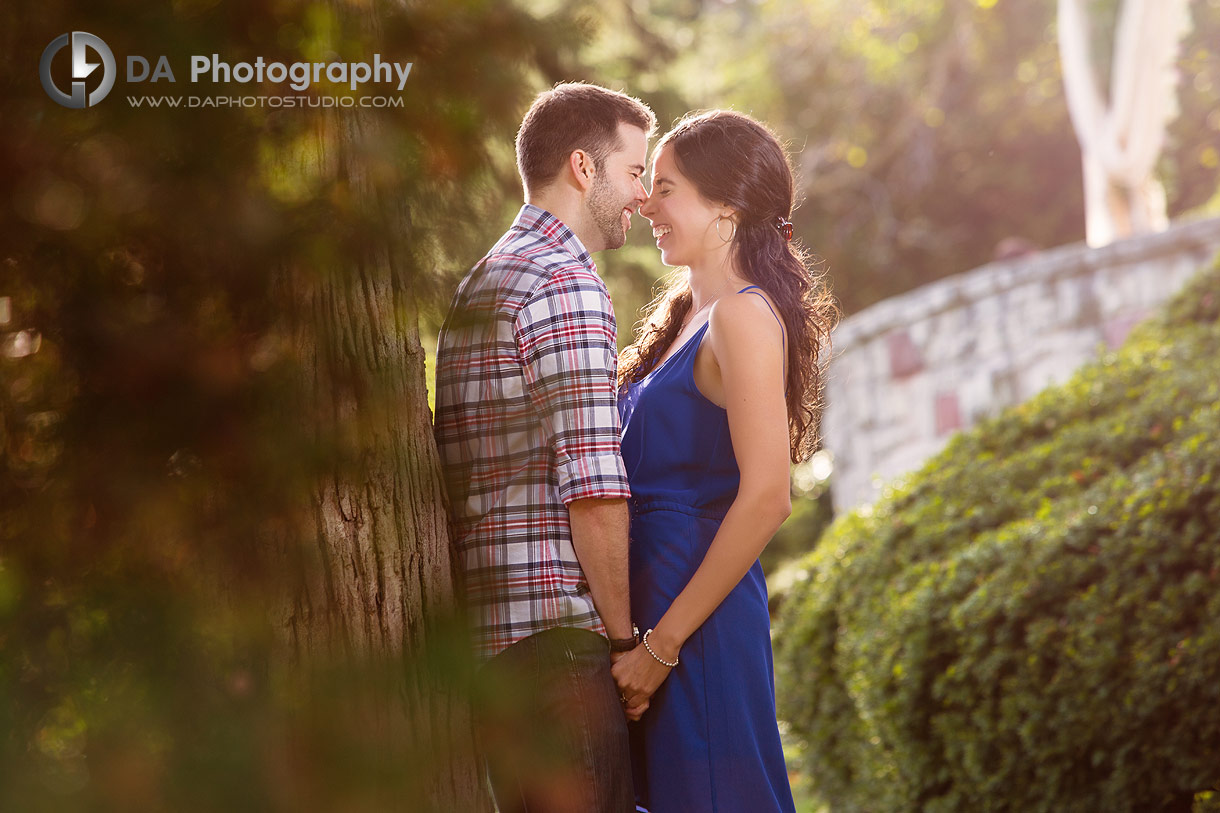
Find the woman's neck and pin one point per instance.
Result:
(712, 281)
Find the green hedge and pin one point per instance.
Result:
(1032, 621)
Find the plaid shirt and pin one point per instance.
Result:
(526, 422)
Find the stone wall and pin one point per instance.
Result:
(910, 371)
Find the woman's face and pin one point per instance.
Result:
(683, 222)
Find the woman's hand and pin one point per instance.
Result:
(638, 675)
(633, 711)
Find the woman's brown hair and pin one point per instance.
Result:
(736, 161)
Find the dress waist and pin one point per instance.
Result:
(712, 510)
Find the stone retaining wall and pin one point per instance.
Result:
(910, 371)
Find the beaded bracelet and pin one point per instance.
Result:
(655, 655)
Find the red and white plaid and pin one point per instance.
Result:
(526, 423)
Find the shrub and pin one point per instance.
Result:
(797, 536)
(1032, 621)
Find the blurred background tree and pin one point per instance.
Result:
(224, 569)
(930, 136)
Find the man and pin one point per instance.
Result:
(528, 431)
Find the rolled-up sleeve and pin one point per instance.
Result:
(567, 338)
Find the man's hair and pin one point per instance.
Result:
(574, 116)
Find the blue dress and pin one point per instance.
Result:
(709, 740)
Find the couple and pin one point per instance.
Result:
(555, 452)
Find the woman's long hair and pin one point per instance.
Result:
(734, 160)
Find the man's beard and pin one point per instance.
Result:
(607, 215)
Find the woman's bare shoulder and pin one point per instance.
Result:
(747, 315)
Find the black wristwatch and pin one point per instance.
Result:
(626, 644)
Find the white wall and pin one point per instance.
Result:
(911, 370)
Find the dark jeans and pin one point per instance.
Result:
(551, 726)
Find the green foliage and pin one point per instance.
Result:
(799, 533)
(153, 448)
(930, 132)
(1028, 623)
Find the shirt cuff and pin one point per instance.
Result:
(602, 477)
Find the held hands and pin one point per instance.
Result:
(633, 708)
(639, 674)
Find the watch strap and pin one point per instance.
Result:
(626, 644)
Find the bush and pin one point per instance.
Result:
(797, 536)
(1029, 623)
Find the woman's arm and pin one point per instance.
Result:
(746, 342)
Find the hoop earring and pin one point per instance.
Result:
(732, 232)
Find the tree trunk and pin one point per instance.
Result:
(1121, 136)
(378, 577)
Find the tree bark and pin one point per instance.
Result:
(377, 576)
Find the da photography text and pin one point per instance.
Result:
(299, 75)
(87, 52)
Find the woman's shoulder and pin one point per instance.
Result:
(751, 312)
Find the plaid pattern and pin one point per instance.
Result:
(526, 422)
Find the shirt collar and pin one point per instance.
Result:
(535, 219)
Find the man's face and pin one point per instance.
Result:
(618, 190)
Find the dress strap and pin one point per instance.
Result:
(782, 336)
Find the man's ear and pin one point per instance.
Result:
(583, 170)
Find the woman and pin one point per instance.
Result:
(717, 394)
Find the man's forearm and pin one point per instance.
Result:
(599, 536)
